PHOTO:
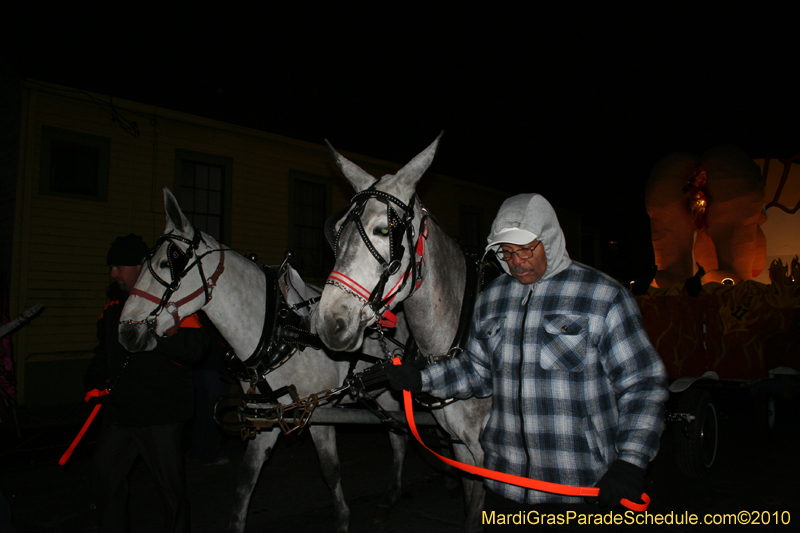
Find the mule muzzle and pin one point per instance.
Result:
(135, 337)
(339, 334)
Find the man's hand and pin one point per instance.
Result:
(404, 377)
(623, 480)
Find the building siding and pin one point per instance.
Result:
(10, 116)
(60, 242)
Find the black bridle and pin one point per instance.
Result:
(179, 265)
(401, 230)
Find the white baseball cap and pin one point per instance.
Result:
(511, 236)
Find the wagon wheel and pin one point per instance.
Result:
(696, 441)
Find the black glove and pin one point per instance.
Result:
(404, 377)
(623, 480)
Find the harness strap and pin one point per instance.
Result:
(387, 320)
(279, 337)
(204, 289)
(420, 250)
(398, 228)
(371, 247)
(471, 288)
(535, 484)
(414, 271)
(212, 281)
(145, 295)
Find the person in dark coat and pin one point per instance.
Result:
(150, 397)
(212, 379)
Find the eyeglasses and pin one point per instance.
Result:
(522, 253)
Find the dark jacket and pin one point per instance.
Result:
(146, 388)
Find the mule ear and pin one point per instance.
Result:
(176, 220)
(358, 178)
(408, 176)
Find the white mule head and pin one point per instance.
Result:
(172, 284)
(375, 246)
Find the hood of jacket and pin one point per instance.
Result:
(532, 213)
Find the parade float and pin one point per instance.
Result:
(722, 309)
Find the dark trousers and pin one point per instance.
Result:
(520, 517)
(206, 435)
(160, 448)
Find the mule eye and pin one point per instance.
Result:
(381, 232)
(163, 264)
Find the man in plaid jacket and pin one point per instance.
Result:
(577, 388)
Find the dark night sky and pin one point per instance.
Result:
(576, 104)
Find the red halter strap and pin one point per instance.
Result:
(388, 319)
(205, 288)
(351, 286)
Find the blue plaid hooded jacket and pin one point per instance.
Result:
(574, 379)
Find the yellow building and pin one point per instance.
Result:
(78, 169)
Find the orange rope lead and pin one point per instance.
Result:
(68, 453)
(511, 479)
(90, 394)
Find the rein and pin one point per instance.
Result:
(179, 267)
(535, 484)
(399, 228)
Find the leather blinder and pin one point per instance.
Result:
(177, 260)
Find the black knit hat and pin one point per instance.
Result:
(129, 250)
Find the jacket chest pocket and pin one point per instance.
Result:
(564, 342)
(490, 333)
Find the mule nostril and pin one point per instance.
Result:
(340, 326)
(132, 337)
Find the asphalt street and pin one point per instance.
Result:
(756, 470)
